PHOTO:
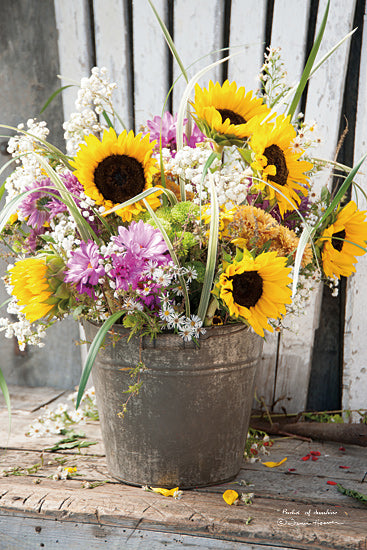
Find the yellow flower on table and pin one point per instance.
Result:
(343, 241)
(31, 287)
(256, 289)
(226, 110)
(278, 164)
(117, 169)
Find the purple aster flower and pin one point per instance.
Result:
(84, 269)
(196, 136)
(72, 184)
(143, 241)
(35, 205)
(126, 270)
(165, 127)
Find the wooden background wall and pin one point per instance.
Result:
(324, 352)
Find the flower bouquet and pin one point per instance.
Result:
(206, 218)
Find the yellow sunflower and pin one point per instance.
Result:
(339, 253)
(31, 287)
(278, 164)
(256, 289)
(117, 169)
(225, 111)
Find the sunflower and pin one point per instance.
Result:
(31, 287)
(339, 253)
(278, 164)
(117, 169)
(256, 289)
(225, 111)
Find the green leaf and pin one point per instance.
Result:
(92, 353)
(212, 251)
(351, 493)
(5, 392)
(310, 61)
(107, 119)
(52, 96)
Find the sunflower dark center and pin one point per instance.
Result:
(335, 240)
(247, 288)
(119, 178)
(275, 156)
(234, 118)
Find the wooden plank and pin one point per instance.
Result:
(28, 399)
(112, 51)
(324, 102)
(289, 510)
(197, 33)
(150, 62)
(75, 46)
(50, 534)
(355, 343)
(196, 514)
(249, 15)
(289, 37)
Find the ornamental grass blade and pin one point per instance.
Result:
(310, 61)
(92, 353)
(52, 96)
(171, 196)
(173, 255)
(341, 192)
(169, 40)
(212, 251)
(85, 230)
(303, 240)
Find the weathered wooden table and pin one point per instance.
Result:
(294, 509)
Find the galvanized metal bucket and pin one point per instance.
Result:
(188, 424)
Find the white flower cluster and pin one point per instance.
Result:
(94, 97)
(307, 136)
(62, 417)
(63, 231)
(231, 180)
(273, 76)
(30, 168)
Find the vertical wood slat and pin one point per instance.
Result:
(324, 103)
(75, 46)
(247, 32)
(197, 32)
(355, 341)
(270, 378)
(112, 51)
(291, 37)
(150, 61)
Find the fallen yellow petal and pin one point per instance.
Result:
(165, 492)
(230, 496)
(273, 464)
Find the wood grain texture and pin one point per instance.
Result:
(290, 510)
(197, 33)
(75, 46)
(324, 102)
(112, 51)
(245, 67)
(150, 62)
(355, 341)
